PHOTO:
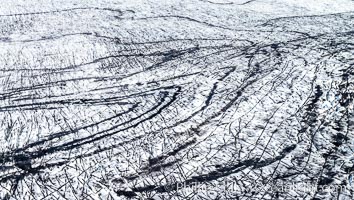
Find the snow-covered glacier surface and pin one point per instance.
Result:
(178, 99)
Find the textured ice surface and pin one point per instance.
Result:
(191, 99)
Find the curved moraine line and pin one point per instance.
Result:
(149, 100)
